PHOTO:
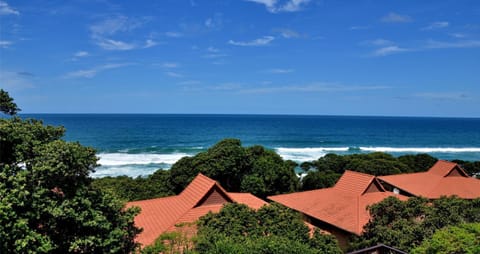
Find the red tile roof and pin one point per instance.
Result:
(344, 205)
(201, 196)
(443, 179)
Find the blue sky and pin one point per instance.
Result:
(325, 57)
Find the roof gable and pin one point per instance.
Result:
(344, 205)
(447, 168)
(356, 183)
(201, 196)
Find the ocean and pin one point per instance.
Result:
(139, 144)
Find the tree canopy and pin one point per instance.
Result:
(271, 229)
(253, 169)
(464, 238)
(47, 203)
(406, 224)
(7, 106)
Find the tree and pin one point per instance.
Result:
(464, 238)
(7, 105)
(48, 204)
(254, 169)
(406, 224)
(271, 229)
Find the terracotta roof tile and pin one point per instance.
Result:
(343, 206)
(165, 214)
(247, 199)
(436, 182)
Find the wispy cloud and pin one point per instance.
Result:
(5, 44)
(436, 25)
(109, 44)
(213, 49)
(15, 80)
(359, 27)
(150, 43)
(174, 74)
(280, 71)
(275, 6)
(287, 33)
(103, 31)
(5, 9)
(265, 40)
(393, 17)
(173, 34)
(377, 42)
(443, 95)
(315, 87)
(215, 22)
(81, 54)
(170, 65)
(431, 44)
(25, 74)
(458, 35)
(90, 73)
(389, 50)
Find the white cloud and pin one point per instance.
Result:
(458, 35)
(436, 25)
(215, 22)
(280, 71)
(389, 50)
(103, 31)
(14, 80)
(213, 50)
(393, 17)
(90, 73)
(378, 42)
(114, 25)
(170, 65)
(265, 40)
(456, 44)
(109, 44)
(173, 74)
(5, 44)
(150, 43)
(173, 34)
(288, 33)
(81, 54)
(315, 87)
(359, 28)
(275, 6)
(443, 95)
(5, 9)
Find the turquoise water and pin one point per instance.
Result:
(139, 144)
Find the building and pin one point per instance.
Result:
(442, 179)
(167, 214)
(342, 209)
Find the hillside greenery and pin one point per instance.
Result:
(47, 201)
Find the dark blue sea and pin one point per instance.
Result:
(139, 144)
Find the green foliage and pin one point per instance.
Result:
(326, 171)
(253, 169)
(271, 229)
(406, 224)
(7, 106)
(464, 238)
(140, 188)
(47, 203)
(169, 243)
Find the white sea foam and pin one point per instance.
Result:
(308, 153)
(422, 149)
(121, 159)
